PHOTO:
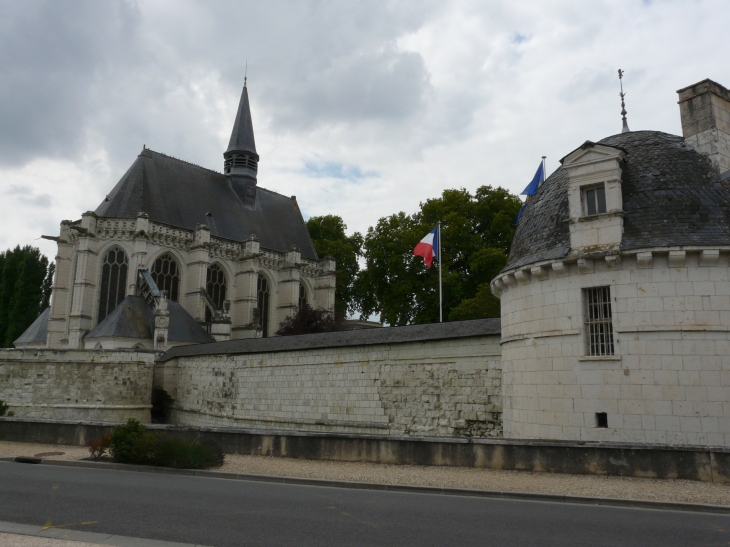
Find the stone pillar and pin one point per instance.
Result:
(83, 307)
(288, 293)
(197, 271)
(245, 295)
(162, 323)
(139, 251)
(324, 285)
(62, 282)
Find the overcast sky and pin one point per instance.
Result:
(360, 108)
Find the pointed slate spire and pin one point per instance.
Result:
(241, 158)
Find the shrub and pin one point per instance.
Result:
(181, 453)
(4, 409)
(130, 443)
(98, 447)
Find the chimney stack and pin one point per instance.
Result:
(705, 111)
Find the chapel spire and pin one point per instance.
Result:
(241, 158)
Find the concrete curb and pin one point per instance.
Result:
(493, 494)
(88, 537)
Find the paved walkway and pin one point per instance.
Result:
(677, 491)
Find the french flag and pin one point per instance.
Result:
(428, 247)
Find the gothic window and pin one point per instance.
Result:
(215, 286)
(302, 296)
(166, 275)
(263, 304)
(113, 281)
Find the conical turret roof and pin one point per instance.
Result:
(242, 139)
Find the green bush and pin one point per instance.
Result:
(181, 453)
(4, 409)
(130, 443)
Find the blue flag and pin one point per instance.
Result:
(531, 189)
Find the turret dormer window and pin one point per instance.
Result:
(594, 200)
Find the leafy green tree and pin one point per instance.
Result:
(329, 238)
(477, 232)
(25, 286)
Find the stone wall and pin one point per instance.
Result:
(448, 387)
(77, 385)
(669, 380)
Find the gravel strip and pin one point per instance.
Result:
(16, 540)
(594, 486)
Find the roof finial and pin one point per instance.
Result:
(623, 105)
(245, 74)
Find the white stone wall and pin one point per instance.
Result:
(442, 387)
(669, 381)
(77, 385)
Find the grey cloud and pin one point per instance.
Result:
(27, 196)
(50, 56)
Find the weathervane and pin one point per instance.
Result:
(623, 105)
(245, 74)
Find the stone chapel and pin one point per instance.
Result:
(179, 254)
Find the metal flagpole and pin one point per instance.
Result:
(441, 311)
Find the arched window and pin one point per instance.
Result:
(215, 286)
(166, 274)
(113, 281)
(263, 304)
(302, 296)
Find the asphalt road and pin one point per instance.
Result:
(225, 513)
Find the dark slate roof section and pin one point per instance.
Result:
(672, 197)
(132, 318)
(178, 193)
(543, 232)
(242, 135)
(364, 337)
(671, 193)
(36, 333)
(184, 328)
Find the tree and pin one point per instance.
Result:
(307, 320)
(477, 232)
(25, 285)
(329, 238)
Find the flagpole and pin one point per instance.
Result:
(441, 311)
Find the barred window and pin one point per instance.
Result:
(302, 296)
(263, 304)
(598, 321)
(166, 275)
(113, 281)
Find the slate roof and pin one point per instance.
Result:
(242, 138)
(174, 192)
(36, 333)
(672, 196)
(133, 318)
(364, 337)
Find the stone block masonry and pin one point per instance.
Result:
(75, 384)
(439, 387)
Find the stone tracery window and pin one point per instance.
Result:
(166, 275)
(215, 286)
(263, 303)
(302, 296)
(112, 288)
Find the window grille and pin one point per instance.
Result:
(263, 304)
(302, 296)
(113, 281)
(594, 200)
(166, 275)
(598, 321)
